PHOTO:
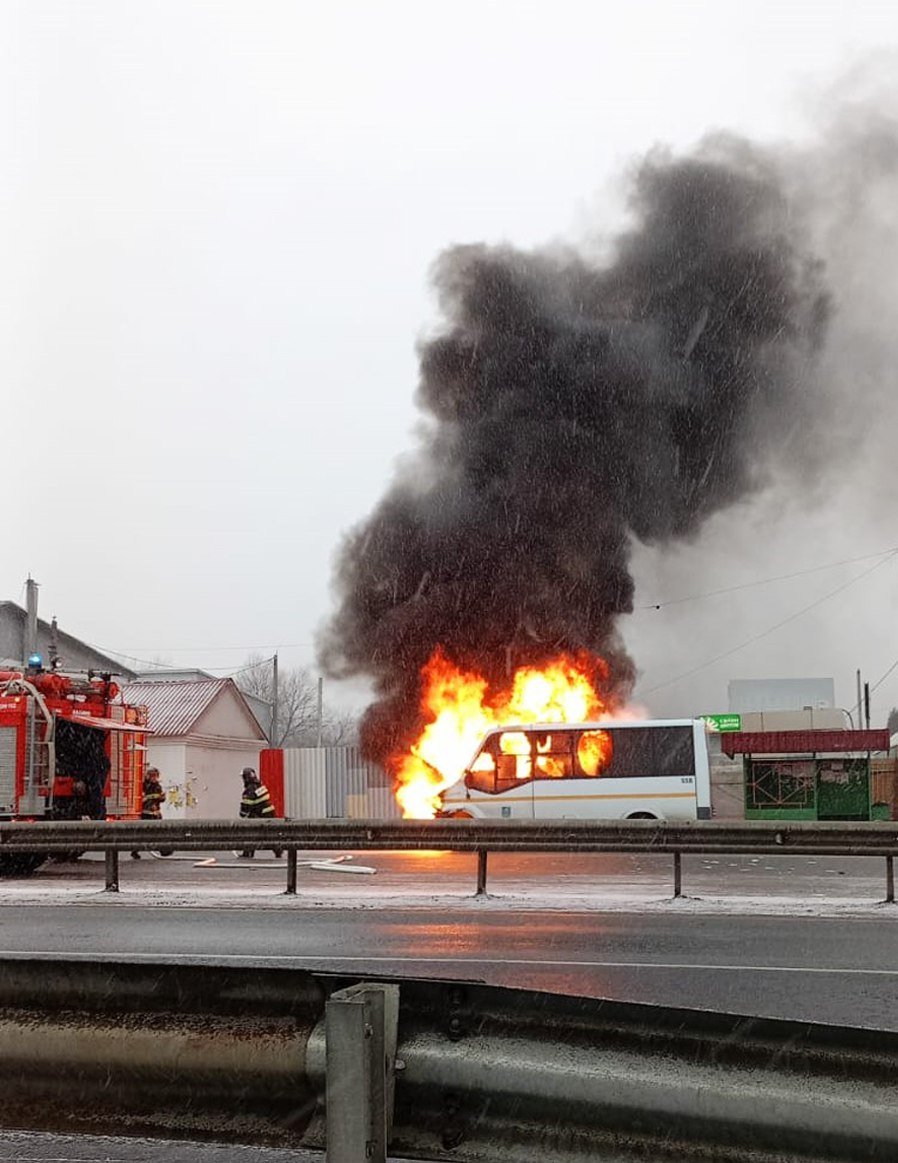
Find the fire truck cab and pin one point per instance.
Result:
(68, 751)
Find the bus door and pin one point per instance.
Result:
(514, 776)
(500, 780)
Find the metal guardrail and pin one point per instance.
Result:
(480, 837)
(431, 1070)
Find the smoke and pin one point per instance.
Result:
(573, 405)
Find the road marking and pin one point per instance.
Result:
(517, 962)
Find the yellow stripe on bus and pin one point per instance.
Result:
(639, 795)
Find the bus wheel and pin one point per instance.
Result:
(21, 864)
(642, 816)
(459, 815)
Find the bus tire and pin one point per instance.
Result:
(459, 815)
(641, 816)
(21, 863)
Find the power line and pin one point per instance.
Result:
(881, 680)
(154, 664)
(220, 649)
(772, 629)
(767, 580)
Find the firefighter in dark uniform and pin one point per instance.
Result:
(255, 804)
(153, 799)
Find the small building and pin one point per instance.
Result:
(74, 655)
(260, 708)
(202, 734)
(812, 773)
(730, 775)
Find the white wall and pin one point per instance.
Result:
(213, 778)
(230, 718)
(201, 771)
(171, 760)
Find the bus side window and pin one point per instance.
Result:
(514, 763)
(595, 751)
(554, 759)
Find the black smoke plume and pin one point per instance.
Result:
(571, 406)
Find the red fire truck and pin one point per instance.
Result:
(68, 751)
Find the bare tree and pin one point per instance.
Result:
(297, 696)
(297, 705)
(341, 728)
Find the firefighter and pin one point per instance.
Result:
(153, 799)
(255, 804)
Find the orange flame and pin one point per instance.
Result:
(459, 710)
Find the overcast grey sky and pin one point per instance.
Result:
(217, 224)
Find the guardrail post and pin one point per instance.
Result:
(361, 1025)
(291, 872)
(481, 872)
(890, 880)
(111, 870)
(678, 874)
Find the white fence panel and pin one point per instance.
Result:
(335, 782)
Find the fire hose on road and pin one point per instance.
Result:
(429, 1070)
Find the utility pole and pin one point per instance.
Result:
(29, 645)
(275, 690)
(320, 711)
(867, 704)
(54, 644)
(860, 701)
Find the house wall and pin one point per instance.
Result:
(727, 791)
(884, 789)
(213, 770)
(727, 781)
(229, 718)
(201, 770)
(827, 719)
(73, 655)
(201, 778)
(780, 694)
(171, 759)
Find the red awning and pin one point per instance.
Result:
(801, 742)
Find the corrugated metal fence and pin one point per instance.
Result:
(335, 782)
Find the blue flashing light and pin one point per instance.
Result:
(35, 661)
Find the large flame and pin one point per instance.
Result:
(459, 709)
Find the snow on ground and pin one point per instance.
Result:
(346, 896)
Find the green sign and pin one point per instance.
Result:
(724, 722)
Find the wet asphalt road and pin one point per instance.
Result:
(818, 968)
(839, 970)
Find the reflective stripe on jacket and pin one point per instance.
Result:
(256, 803)
(153, 799)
